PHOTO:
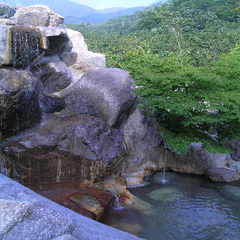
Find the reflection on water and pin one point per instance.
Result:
(187, 207)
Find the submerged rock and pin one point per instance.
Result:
(167, 194)
(230, 192)
(89, 203)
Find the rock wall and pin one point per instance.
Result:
(49, 80)
(80, 109)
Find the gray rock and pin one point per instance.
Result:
(42, 224)
(20, 108)
(50, 220)
(223, 175)
(142, 143)
(235, 146)
(11, 213)
(53, 40)
(67, 147)
(65, 237)
(103, 93)
(78, 58)
(195, 160)
(37, 15)
(53, 74)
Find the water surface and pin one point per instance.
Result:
(186, 207)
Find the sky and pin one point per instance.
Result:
(100, 4)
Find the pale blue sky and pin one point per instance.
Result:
(100, 4)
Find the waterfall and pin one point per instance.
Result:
(117, 205)
(25, 46)
(3, 167)
(165, 164)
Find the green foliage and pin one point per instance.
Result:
(191, 103)
(6, 10)
(178, 54)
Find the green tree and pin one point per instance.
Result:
(191, 104)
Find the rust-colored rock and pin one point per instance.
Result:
(67, 147)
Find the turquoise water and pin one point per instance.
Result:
(186, 207)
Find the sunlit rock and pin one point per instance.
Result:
(89, 203)
(103, 93)
(165, 194)
(35, 16)
(78, 58)
(5, 45)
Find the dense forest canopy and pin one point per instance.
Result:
(185, 56)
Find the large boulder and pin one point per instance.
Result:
(142, 141)
(53, 39)
(36, 16)
(53, 74)
(235, 147)
(78, 58)
(223, 175)
(196, 160)
(19, 106)
(104, 93)
(67, 147)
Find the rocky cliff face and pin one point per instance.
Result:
(65, 117)
(80, 110)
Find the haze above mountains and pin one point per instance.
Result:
(77, 13)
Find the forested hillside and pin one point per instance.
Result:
(185, 56)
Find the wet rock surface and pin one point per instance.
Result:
(223, 175)
(49, 220)
(53, 74)
(19, 106)
(142, 141)
(67, 147)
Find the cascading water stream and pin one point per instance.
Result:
(165, 164)
(25, 46)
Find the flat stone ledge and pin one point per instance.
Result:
(49, 220)
(223, 175)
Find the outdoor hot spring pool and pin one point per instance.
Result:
(186, 207)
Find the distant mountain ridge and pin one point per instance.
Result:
(99, 17)
(77, 13)
(62, 7)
